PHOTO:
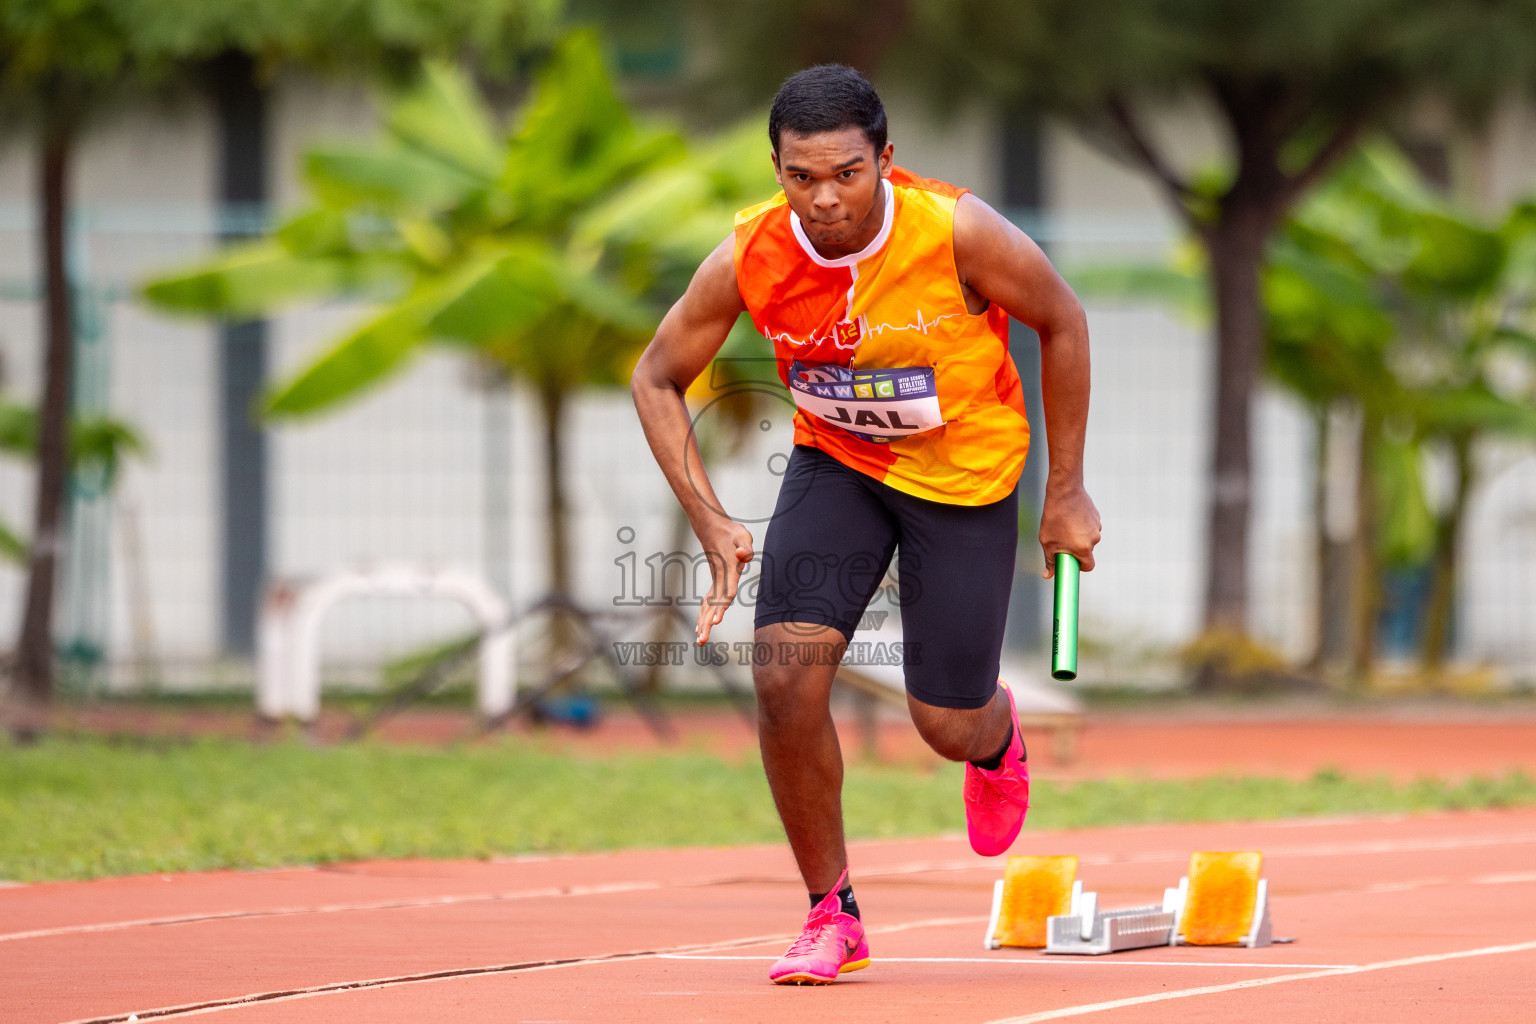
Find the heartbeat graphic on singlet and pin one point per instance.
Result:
(788, 338)
(921, 325)
(818, 339)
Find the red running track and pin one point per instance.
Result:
(1403, 920)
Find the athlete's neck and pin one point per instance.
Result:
(863, 236)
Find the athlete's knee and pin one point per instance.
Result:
(949, 732)
(784, 694)
(947, 742)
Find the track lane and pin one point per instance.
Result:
(57, 908)
(1372, 1001)
(1334, 887)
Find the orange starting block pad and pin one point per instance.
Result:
(1039, 903)
(1032, 891)
(1221, 902)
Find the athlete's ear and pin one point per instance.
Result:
(778, 173)
(887, 158)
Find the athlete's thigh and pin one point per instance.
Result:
(956, 572)
(827, 546)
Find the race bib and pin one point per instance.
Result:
(872, 405)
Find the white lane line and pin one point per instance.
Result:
(334, 988)
(1374, 846)
(1078, 961)
(290, 995)
(927, 922)
(1206, 990)
(1339, 849)
(338, 908)
(1408, 884)
(1513, 878)
(1371, 847)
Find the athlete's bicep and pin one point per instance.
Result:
(696, 326)
(1003, 264)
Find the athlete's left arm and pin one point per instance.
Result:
(1000, 263)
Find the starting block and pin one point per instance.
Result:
(1222, 901)
(1032, 891)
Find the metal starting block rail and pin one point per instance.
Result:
(1110, 931)
(1222, 901)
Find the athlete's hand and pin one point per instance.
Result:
(1069, 522)
(728, 546)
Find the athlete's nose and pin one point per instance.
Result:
(825, 198)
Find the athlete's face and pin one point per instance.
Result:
(832, 182)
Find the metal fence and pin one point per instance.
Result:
(437, 467)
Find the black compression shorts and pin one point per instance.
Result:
(826, 552)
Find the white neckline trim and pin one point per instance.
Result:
(851, 260)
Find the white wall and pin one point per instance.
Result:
(960, 148)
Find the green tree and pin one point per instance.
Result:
(59, 63)
(63, 62)
(1329, 339)
(18, 433)
(540, 249)
(1461, 292)
(1382, 296)
(1292, 85)
(97, 446)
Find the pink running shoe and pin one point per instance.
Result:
(996, 801)
(832, 943)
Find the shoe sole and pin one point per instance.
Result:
(999, 851)
(816, 979)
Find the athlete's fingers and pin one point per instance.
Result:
(733, 581)
(730, 579)
(1083, 554)
(722, 591)
(724, 580)
(706, 617)
(1085, 559)
(711, 611)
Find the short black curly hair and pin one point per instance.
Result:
(827, 98)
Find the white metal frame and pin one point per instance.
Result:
(288, 634)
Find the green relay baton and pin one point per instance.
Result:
(1064, 622)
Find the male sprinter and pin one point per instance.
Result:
(855, 268)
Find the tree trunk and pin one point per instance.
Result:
(1334, 580)
(1235, 246)
(1443, 585)
(552, 403)
(1321, 543)
(1366, 561)
(34, 660)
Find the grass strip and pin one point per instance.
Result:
(85, 808)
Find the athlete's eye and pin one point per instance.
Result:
(848, 173)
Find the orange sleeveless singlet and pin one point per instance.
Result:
(898, 303)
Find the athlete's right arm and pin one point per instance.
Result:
(688, 338)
